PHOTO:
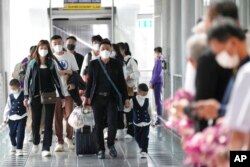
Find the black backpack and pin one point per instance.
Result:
(89, 58)
(126, 62)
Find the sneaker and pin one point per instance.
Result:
(119, 134)
(30, 139)
(13, 150)
(105, 134)
(41, 138)
(101, 154)
(112, 151)
(69, 143)
(35, 148)
(128, 136)
(143, 155)
(46, 153)
(19, 152)
(59, 148)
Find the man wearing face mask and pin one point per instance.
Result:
(94, 54)
(103, 96)
(229, 42)
(71, 45)
(68, 62)
(211, 78)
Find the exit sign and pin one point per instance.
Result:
(145, 23)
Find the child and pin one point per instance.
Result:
(15, 115)
(142, 118)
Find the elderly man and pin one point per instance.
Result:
(196, 44)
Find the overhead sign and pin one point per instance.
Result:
(82, 4)
(145, 23)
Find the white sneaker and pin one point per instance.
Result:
(19, 152)
(105, 131)
(128, 136)
(30, 139)
(46, 153)
(59, 148)
(13, 150)
(41, 138)
(35, 148)
(143, 155)
(69, 142)
(119, 134)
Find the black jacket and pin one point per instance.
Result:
(31, 78)
(211, 80)
(79, 59)
(116, 75)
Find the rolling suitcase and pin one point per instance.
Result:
(85, 141)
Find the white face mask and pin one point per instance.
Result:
(43, 52)
(58, 48)
(96, 47)
(140, 97)
(105, 54)
(227, 61)
(113, 54)
(14, 91)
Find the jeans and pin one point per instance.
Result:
(17, 132)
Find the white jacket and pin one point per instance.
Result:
(131, 71)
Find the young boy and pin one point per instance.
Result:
(15, 115)
(142, 118)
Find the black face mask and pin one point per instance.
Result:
(71, 46)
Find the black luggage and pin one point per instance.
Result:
(85, 141)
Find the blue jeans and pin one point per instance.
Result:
(17, 132)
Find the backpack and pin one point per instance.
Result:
(126, 62)
(19, 71)
(88, 60)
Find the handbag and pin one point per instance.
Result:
(88, 116)
(46, 96)
(120, 105)
(76, 118)
(81, 117)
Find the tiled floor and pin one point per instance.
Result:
(164, 151)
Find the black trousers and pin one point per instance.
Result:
(17, 132)
(105, 109)
(36, 108)
(141, 137)
(130, 126)
(129, 121)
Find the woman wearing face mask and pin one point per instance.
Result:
(116, 54)
(132, 77)
(41, 76)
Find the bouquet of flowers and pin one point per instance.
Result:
(203, 148)
(200, 148)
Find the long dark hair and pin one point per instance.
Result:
(118, 55)
(125, 47)
(48, 58)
